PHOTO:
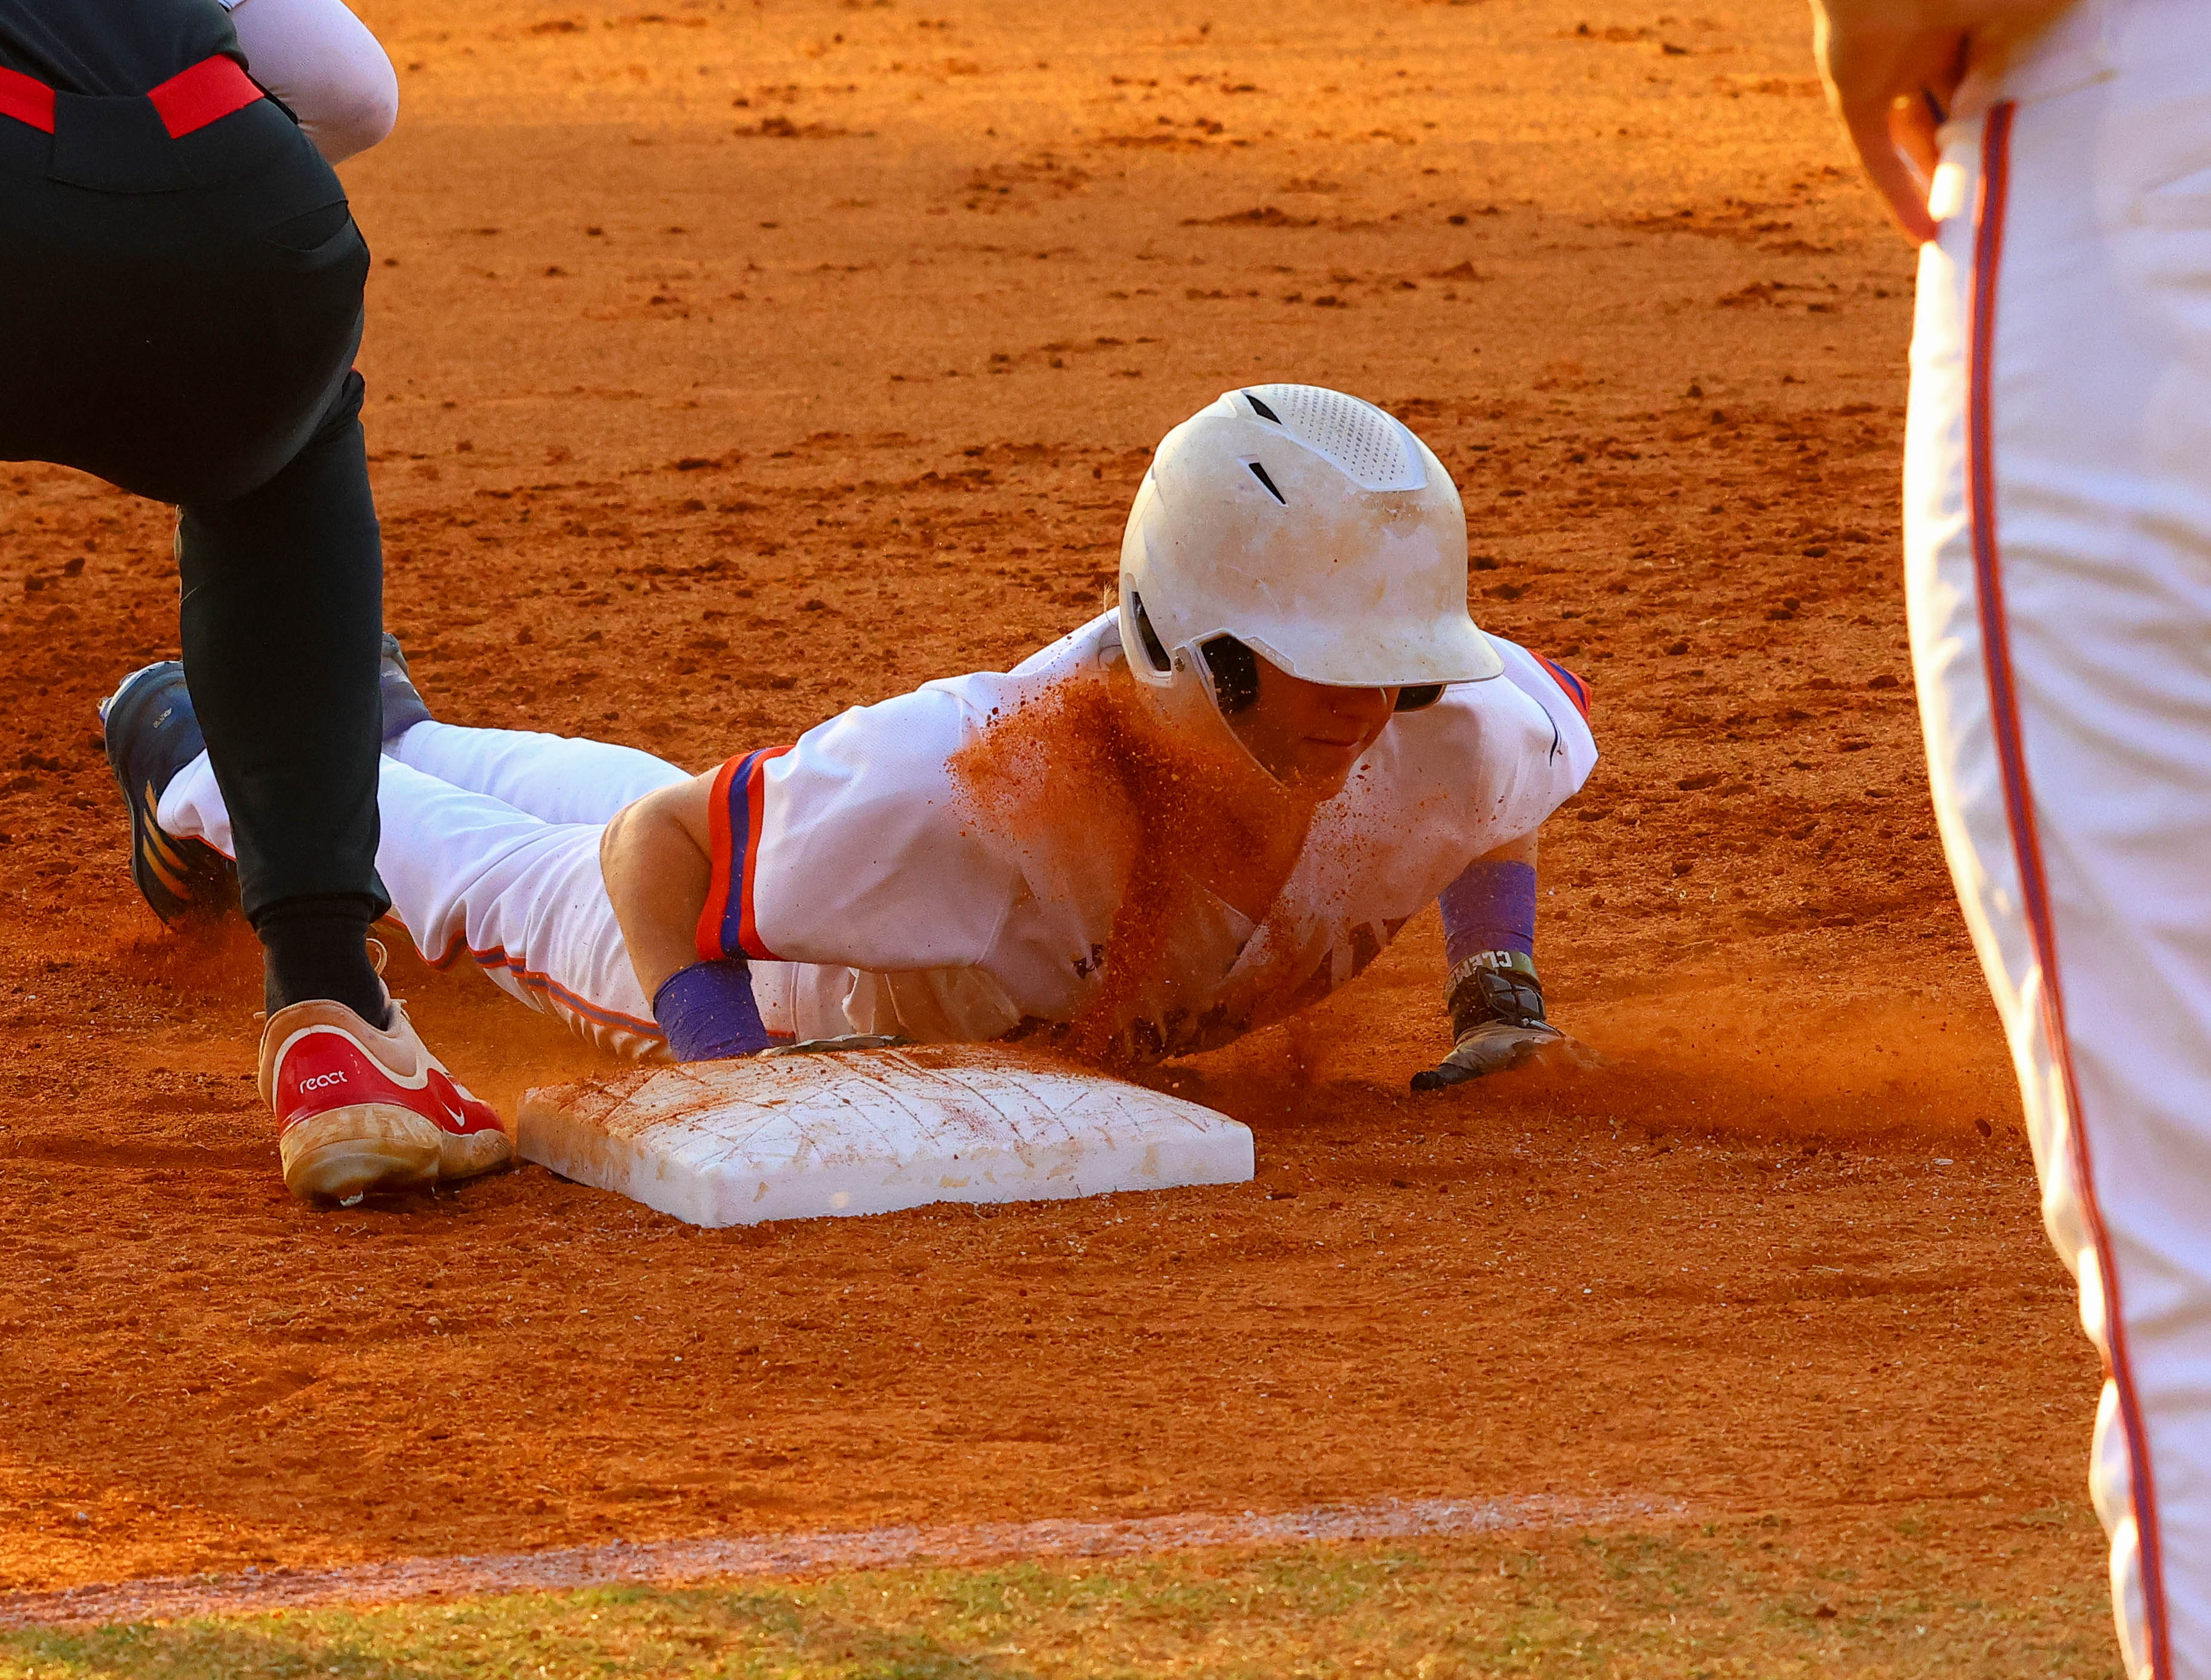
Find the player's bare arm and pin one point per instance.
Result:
(1494, 995)
(657, 857)
(1890, 67)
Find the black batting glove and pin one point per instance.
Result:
(1495, 999)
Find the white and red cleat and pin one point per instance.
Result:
(360, 1111)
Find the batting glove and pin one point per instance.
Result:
(1496, 1004)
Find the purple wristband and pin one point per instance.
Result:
(1490, 907)
(708, 1012)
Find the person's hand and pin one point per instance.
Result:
(1495, 1001)
(1890, 72)
(1494, 1047)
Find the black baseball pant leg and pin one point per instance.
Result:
(281, 612)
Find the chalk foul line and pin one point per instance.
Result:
(676, 1562)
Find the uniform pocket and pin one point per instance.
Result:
(312, 231)
(323, 239)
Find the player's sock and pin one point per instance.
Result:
(317, 947)
(1490, 907)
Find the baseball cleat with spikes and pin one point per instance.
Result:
(152, 733)
(403, 705)
(361, 1110)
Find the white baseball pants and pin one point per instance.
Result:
(2057, 532)
(490, 851)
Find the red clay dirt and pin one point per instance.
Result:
(732, 364)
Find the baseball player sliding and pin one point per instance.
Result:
(1187, 819)
(2055, 162)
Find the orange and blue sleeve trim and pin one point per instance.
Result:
(1577, 689)
(727, 926)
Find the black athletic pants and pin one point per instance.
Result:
(180, 316)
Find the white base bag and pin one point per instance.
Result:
(870, 1130)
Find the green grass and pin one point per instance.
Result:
(1743, 1601)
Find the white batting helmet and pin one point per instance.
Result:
(1313, 528)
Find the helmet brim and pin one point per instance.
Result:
(1407, 654)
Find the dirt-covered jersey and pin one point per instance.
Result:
(873, 888)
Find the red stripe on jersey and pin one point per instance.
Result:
(707, 939)
(728, 924)
(756, 807)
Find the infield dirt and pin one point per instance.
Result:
(734, 364)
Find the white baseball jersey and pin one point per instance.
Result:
(858, 860)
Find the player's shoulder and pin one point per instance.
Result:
(1533, 708)
(1087, 647)
(1527, 676)
(1550, 684)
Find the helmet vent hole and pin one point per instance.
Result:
(1374, 449)
(1259, 473)
(1155, 650)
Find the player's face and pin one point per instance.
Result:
(1309, 734)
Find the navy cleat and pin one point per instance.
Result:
(403, 706)
(152, 733)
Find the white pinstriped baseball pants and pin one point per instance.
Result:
(2057, 532)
